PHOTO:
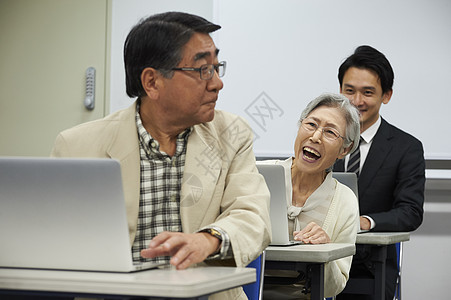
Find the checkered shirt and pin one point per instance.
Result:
(161, 181)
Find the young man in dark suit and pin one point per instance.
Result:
(391, 171)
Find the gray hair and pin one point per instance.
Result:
(350, 113)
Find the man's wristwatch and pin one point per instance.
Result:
(213, 232)
(217, 235)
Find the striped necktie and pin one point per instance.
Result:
(354, 161)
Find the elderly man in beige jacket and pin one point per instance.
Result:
(191, 186)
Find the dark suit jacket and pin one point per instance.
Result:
(391, 182)
(391, 189)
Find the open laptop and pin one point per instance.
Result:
(64, 213)
(350, 180)
(275, 180)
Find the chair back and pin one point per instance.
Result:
(254, 291)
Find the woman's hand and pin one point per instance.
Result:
(312, 234)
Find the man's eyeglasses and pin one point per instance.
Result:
(328, 132)
(207, 71)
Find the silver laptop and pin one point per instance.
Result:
(67, 214)
(275, 180)
(348, 179)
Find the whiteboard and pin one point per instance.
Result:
(282, 54)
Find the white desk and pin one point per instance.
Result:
(310, 258)
(192, 283)
(379, 242)
(382, 238)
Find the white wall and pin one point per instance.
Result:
(288, 52)
(291, 51)
(426, 261)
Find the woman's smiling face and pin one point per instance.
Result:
(314, 153)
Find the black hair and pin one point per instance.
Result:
(366, 57)
(157, 42)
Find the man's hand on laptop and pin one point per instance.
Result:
(185, 249)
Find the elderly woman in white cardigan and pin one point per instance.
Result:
(320, 209)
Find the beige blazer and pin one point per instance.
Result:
(221, 185)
